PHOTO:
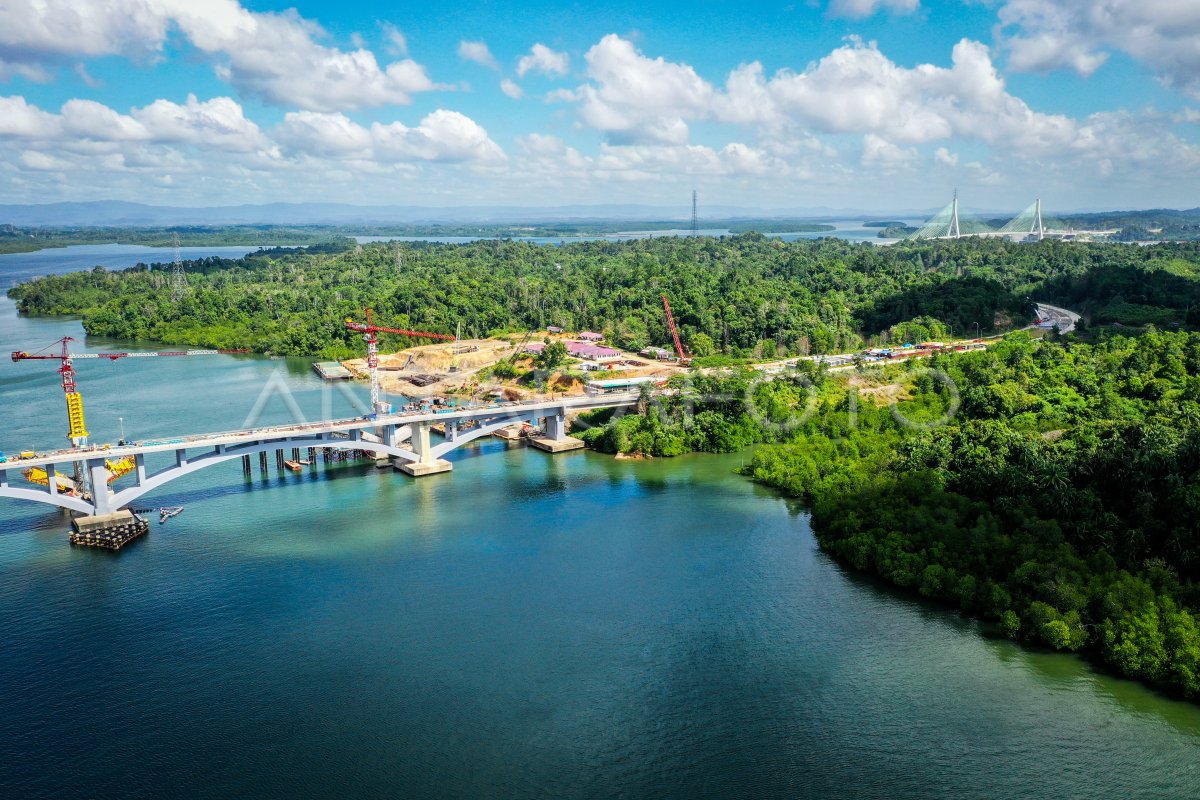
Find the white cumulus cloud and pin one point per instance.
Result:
(511, 89)
(275, 56)
(542, 59)
(444, 136)
(477, 52)
(1043, 35)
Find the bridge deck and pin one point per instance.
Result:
(282, 433)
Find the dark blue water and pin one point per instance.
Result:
(525, 626)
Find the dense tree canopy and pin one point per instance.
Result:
(740, 295)
(1062, 501)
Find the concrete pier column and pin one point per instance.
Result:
(426, 463)
(140, 468)
(556, 427)
(555, 439)
(420, 442)
(262, 463)
(101, 495)
(386, 434)
(246, 465)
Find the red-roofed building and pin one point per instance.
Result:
(591, 336)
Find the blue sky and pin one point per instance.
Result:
(873, 104)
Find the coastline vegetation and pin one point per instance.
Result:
(25, 239)
(1058, 501)
(15, 239)
(742, 297)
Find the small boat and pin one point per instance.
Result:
(294, 466)
(167, 512)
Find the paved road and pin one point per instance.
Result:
(1053, 315)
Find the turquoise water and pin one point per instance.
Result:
(525, 626)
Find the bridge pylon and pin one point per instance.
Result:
(954, 231)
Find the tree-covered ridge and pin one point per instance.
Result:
(1062, 501)
(741, 295)
(14, 239)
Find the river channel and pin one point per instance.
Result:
(525, 626)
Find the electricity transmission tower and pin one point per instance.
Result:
(178, 278)
(695, 222)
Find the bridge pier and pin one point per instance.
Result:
(387, 435)
(554, 438)
(101, 496)
(427, 463)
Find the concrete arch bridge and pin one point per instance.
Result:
(403, 440)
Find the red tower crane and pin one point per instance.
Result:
(369, 330)
(78, 432)
(683, 359)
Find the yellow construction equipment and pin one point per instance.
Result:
(118, 468)
(75, 416)
(38, 475)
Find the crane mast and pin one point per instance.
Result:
(78, 430)
(683, 359)
(369, 330)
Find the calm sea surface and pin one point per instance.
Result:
(525, 626)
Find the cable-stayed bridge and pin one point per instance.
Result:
(1028, 226)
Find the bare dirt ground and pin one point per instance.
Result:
(880, 394)
(456, 368)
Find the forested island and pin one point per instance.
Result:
(1055, 497)
(14, 239)
(24, 239)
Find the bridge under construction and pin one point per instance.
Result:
(400, 440)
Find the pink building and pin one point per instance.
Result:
(591, 336)
(585, 350)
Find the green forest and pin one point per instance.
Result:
(1058, 501)
(748, 296)
(1050, 487)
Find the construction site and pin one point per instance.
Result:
(470, 373)
(470, 368)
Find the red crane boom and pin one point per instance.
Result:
(683, 359)
(370, 329)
